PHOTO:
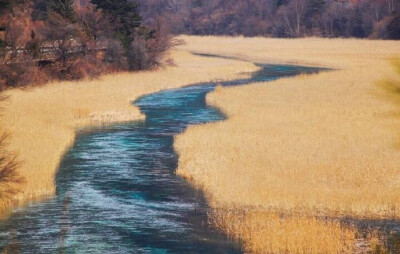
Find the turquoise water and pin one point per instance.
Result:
(116, 187)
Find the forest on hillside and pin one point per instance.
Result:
(279, 18)
(44, 40)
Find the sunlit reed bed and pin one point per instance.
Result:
(298, 161)
(315, 149)
(42, 121)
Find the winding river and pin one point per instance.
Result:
(116, 187)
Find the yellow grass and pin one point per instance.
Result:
(293, 151)
(314, 145)
(43, 121)
(276, 233)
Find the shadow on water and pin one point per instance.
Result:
(116, 187)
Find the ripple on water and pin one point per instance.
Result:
(117, 191)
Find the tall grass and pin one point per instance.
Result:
(269, 232)
(298, 155)
(43, 121)
(315, 148)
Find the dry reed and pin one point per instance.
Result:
(43, 121)
(311, 146)
(308, 147)
(278, 233)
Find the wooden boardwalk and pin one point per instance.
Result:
(44, 54)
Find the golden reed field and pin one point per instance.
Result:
(42, 121)
(301, 163)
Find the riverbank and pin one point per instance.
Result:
(43, 121)
(299, 155)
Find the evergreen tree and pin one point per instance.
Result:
(123, 14)
(39, 10)
(4, 5)
(64, 8)
(126, 21)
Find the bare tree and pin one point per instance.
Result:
(292, 16)
(391, 5)
(10, 180)
(299, 7)
(13, 39)
(160, 44)
(61, 33)
(92, 22)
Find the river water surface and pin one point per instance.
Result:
(116, 187)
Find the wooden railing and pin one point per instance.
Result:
(21, 55)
